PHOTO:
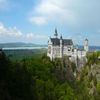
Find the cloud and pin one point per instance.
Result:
(9, 31)
(48, 10)
(79, 15)
(12, 33)
(38, 20)
(32, 36)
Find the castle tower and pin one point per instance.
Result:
(61, 46)
(86, 47)
(50, 51)
(56, 33)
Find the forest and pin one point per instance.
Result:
(39, 78)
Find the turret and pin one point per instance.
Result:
(56, 33)
(86, 47)
(61, 46)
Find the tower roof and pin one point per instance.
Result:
(56, 33)
(56, 41)
(61, 37)
(86, 39)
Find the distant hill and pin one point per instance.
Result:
(20, 44)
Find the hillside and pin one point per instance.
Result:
(38, 78)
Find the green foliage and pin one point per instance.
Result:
(98, 87)
(92, 58)
(36, 78)
(24, 53)
(65, 92)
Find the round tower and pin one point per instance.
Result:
(61, 46)
(86, 47)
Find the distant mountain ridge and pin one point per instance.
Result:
(20, 44)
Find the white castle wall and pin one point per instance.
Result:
(60, 51)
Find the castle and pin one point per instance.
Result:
(59, 47)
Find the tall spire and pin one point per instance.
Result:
(56, 34)
(61, 37)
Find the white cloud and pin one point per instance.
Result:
(12, 33)
(32, 36)
(53, 10)
(48, 7)
(2, 29)
(79, 14)
(38, 20)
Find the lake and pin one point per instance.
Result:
(91, 48)
(22, 48)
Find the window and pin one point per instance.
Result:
(69, 49)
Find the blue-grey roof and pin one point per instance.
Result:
(56, 41)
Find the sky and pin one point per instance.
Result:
(34, 21)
